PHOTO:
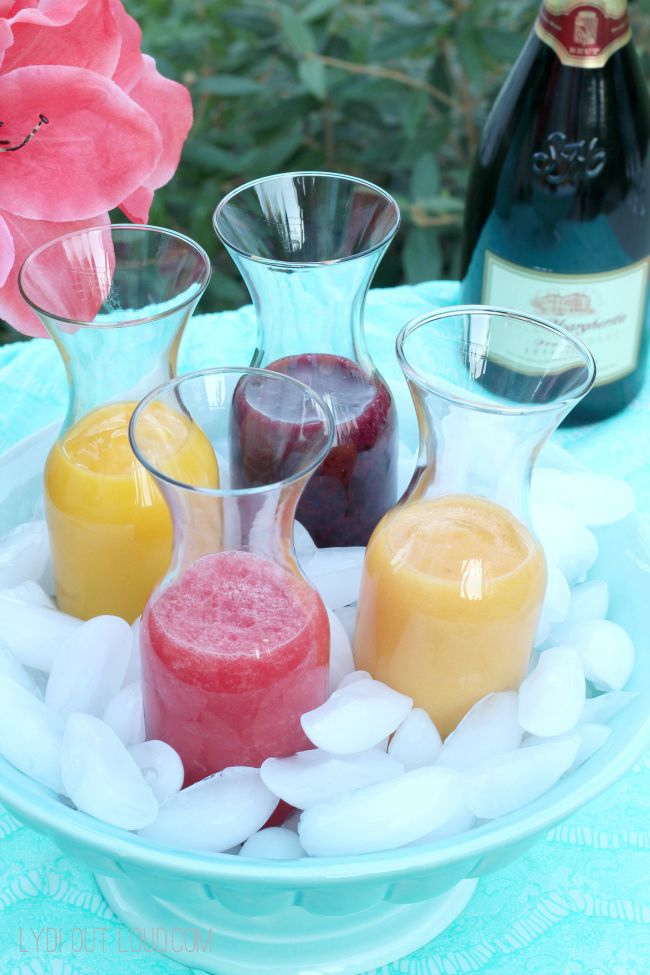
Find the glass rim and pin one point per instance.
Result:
(173, 384)
(132, 228)
(431, 383)
(273, 262)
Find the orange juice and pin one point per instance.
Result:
(450, 599)
(110, 528)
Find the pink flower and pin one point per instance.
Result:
(88, 125)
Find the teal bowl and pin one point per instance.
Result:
(338, 915)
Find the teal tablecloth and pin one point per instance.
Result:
(578, 903)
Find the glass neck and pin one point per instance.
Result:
(116, 363)
(310, 308)
(260, 522)
(466, 450)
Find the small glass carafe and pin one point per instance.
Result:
(235, 641)
(115, 300)
(307, 245)
(454, 578)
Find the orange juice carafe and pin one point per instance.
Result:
(115, 300)
(454, 578)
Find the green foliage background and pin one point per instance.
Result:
(393, 90)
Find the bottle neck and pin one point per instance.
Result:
(584, 35)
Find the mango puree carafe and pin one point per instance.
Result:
(115, 300)
(454, 578)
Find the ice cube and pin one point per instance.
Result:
(567, 543)
(125, 714)
(274, 843)
(489, 728)
(385, 815)
(134, 667)
(336, 574)
(547, 485)
(100, 776)
(598, 499)
(605, 649)
(348, 617)
(24, 552)
(552, 698)
(589, 601)
(291, 822)
(216, 813)
(341, 659)
(416, 742)
(30, 593)
(315, 776)
(542, 633)
(12, 668)
(604, 707)
(34, 634)
(30, 734)
(161, 767)
(353, 678)
(506, 782)
(460, 823)
(592, 737)
(89, 668)
(557, 597)
(356, 717)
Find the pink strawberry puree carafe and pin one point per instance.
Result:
(307, 246)
(234, 641)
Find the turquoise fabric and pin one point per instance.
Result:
(577, 903)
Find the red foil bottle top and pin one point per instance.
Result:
(584, 35)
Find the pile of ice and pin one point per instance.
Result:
(379, 776)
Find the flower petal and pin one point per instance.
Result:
(83, 34)
(6, 39)
(27, 236)
(130, 65)
(7, 252)
(136, 206)
(170, 106)
(42, 11)
(99, 145)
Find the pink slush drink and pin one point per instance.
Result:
(233, 653)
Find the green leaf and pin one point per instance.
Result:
(413, 111)
(313, 76)
(443, 203)
(228, 86)
(421, 256)
(425, 178)
(470, 52)
(297, 34)
(209, 157)
(318, 8)
(273, 154)
(440, 76)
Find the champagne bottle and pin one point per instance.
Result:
(557, 219)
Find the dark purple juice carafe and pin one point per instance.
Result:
(307, 246)
(357, 483)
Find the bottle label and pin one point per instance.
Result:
(584, 35)
(606, 311)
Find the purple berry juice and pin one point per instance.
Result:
(357, 482)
